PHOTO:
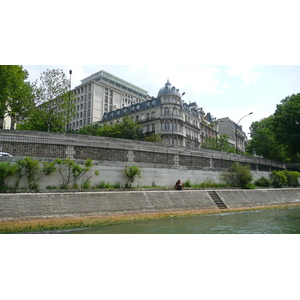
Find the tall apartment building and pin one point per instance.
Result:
(236, 136)
(178, 123)
(100, 93)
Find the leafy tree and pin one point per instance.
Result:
(6, 170)
(36, 122)
(219, 143)
(127, 129)
(33, 170)
(287, 124)
(239, 175)
(16, 98)
(131, 172)
(154, 138)
(54, 103)
(264, 141)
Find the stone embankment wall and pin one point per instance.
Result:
(159, 164)
(18, 206)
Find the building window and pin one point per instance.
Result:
(166, 111)
(153, 127)
(166, 126)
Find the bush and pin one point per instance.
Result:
(292, 178)
(6, 170)
(187, 184)
(239, 175)
(130, 173)
(278, 179)
(263, 182)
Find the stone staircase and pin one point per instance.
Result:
(217, 200)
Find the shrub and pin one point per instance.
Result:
(130, 173)
(292, 178)
(33, 170)
(239, 175)
(263, 182)
(278, 179)
(187, 184)
(6, 170)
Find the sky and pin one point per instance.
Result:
(223, 90)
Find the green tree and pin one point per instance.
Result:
(131, 172)
(239, 175)
(219, 143)
(6, 170)
(264, 141)
(153, 138)
(287, 124)
(16, 97)
(126, 129)
(55, 105)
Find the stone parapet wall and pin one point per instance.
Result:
(52, 145)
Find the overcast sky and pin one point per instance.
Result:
(224, 91)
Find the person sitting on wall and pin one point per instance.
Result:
(178, 185)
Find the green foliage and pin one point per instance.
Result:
(292, 178)
(131, 172)
(278, 179)
(278, 136)
(219, 143)
(263, 182)
(72, 172)
(104, 185)
(188, 183)
(16, 98)
(127, 129)
(264, 142)
(54, 103)
(6, 170)
(287, 124)
(33, 170)
(153, 138)
(239, 175)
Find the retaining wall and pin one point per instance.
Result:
(16, 206)
(160, 164)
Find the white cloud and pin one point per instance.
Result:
(246, 72)
(226, 85)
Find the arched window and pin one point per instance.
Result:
(166, 111)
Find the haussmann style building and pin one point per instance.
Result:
(178, 123)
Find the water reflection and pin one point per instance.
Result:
(275, 221)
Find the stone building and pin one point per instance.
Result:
(100, 93)
(178, 123)
(236, 136)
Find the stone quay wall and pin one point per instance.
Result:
(47, 205)
(160, 165)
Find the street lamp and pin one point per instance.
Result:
(68, 126)
(236, 147)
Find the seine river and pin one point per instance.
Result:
(274, 221)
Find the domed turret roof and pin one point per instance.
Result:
(168, 89)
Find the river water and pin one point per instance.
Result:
(274, 221)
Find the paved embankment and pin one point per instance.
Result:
(41, 205)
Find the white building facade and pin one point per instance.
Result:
(100, 93)
(168, 115)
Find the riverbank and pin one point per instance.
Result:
(52, 225)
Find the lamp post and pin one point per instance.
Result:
(236, 147)
(68, 126)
